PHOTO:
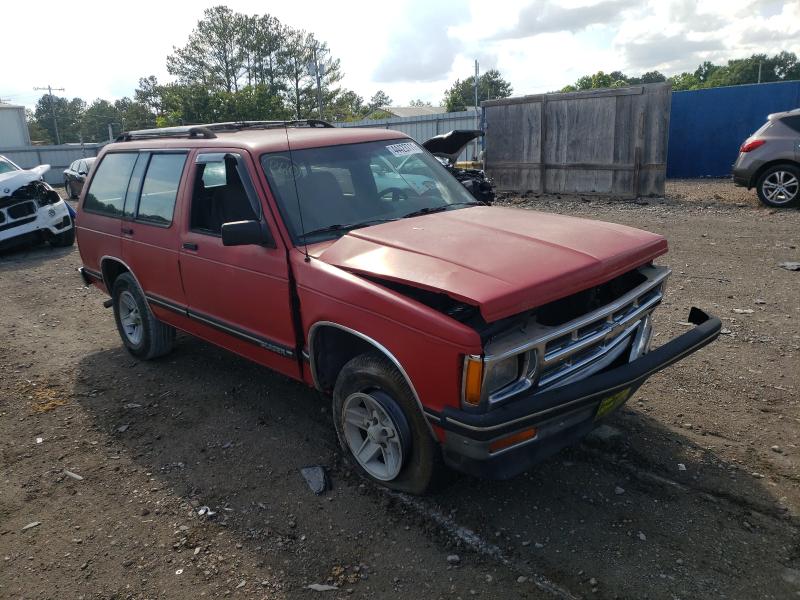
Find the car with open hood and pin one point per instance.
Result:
(30, 209)
(447, 147)
(444, 331)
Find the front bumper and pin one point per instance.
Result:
(561, 416)
(50, 218)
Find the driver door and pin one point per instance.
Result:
(237, 296)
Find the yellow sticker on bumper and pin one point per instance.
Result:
(612, 402)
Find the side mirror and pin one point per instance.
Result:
(82, 173)
(244, 233)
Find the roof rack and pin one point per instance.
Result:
(207, 131)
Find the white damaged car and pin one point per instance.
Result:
(31, 209)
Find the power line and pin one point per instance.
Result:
(52, 107)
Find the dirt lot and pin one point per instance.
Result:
(693, 492)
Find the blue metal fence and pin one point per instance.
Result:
(708, 126)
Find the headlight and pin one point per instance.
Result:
(500, 373)
(483, 378)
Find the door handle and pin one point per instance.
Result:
(189, 246)
(127, 230)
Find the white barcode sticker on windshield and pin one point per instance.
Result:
(404, 149)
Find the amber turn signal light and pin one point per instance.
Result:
(513, 439)
(473, 381)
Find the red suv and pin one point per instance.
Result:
(445, 331)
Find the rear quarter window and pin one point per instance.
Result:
(106, 193)
(792, 122)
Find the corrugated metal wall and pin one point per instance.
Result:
(708, 126)
(608, 141)
(58, 157)
(426, 126)
(13, 127)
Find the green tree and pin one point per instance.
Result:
(348, 106)
(419, 102)
(704, 71)
(684, 81)
(96, 119)
(213, 55)
(134, 115)
(68, 115)
(36, 131)
(462, 93)
(379, 99)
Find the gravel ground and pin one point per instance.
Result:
(691, 491)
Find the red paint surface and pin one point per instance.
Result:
(500, 259)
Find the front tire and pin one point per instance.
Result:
(65, 238)
(779, 186)
(68, 189)
(143, 335)
(380, 427)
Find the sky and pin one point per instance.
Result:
(409, 48)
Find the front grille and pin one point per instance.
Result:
(584, 344)
(21, 210)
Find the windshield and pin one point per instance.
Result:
(6, 166)
(324, 192)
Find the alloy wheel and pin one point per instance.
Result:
(372, 436)
(780, 187)
(130, 318)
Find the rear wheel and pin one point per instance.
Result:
(779, 186)
(143, 335)
(380, 427)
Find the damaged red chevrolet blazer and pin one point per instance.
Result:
(446, 332)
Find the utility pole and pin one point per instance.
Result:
(477, 118)
(476, 85)
(110, 133)
(318, 71)
(759, 71)
(52, 107)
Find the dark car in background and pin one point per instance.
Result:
(769, 160)
(75, 176)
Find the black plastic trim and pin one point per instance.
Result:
(88, 275)
(17, 223)
(262, 342)
(537, 407)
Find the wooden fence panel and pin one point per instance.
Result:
(610, 142)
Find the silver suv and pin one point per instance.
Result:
(769, 160)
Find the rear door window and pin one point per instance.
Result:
(160, 188)
(106, 194)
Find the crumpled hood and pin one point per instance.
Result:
(502, 260)
(11, 181)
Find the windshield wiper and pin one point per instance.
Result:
(434, 209)
(344, 227)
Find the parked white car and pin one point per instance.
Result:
(30, 208)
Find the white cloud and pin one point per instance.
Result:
(409, 48)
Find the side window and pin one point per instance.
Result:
(106, 194)
(793, 122)
(222, 193)
(160, 188)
